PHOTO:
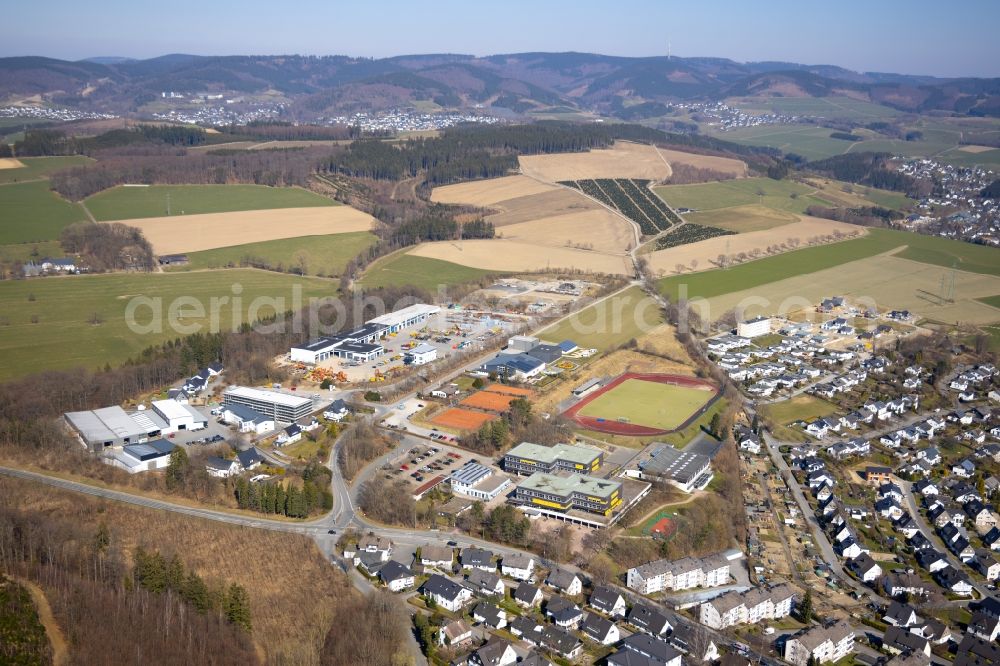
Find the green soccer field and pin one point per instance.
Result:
(646, 403)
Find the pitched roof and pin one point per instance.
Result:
(393, 570)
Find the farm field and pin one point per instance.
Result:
(64, 336)
(423, 272)
(646, 403)
(887, 282)
(10, 163)
(705, 253)
(539, 206)
(500, 255)
(742, 219)
(623, 160)
(809, 141)
(609, 323)
(777, 194)
(993, 301)
(989, 159)
(934, 141)
(930, 250)
(32, 212)
(192, 233)
(40, 167)
(489, 192)
(827, 107)
(726, 165)
(599, 230)
(25, 252)
(314, 255)
(127, 203)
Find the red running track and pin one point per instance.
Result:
(632, 429)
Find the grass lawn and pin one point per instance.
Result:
(65, 306)
(31, 212)
(925, 249)
(648, 403)
(39, 167)
(423, 272)
(610, 323)
(25, 252)
(126, 203)
(318, 255)
(809, 141)
(799, 408)
(304, 449)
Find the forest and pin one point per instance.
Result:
(108, 247)
(869, 169)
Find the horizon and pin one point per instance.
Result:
(927, 39)
(96, 58)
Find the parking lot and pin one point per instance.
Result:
(422, 463)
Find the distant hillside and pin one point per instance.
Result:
(518, 82)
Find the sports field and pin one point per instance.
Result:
(421, 272)
(40, 167)
(31, 212)
(65, 334)
(609, 323)
(126, 203)
(462, 419)
(313, 255)
(643, 404)
(493, 402)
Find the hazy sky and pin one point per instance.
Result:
(944, 38)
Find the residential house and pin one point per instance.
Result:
(898, 640)
(565, 581)
(865, 568)
(436, 556)
(490, 615)
(477, 558)
(825, 644)
(222, 468)
(336, 411)
(454, 633)
(695, 643)
(563, 612)
(985, 626)
(497, 652)
(446, 593)
(600, 630)
(527, 595)
(648, 619)
(518, 566)
(608, 600)
(655, 651)
(486, 582)
(954, 581)
(395, 576)
(901, 615)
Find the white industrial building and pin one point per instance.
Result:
(279, 406)
(178, 416)
(754, 328)
(421, 354)
(146, 457)
(361, 344)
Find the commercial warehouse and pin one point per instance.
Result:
(147, 457)
(527, 458)
(178, 416)
(279, 406)
(687, 470)
(106, 427)
(563, 493)
(361, 344)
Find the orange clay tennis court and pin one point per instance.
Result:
(510, 390)
(494, 402)
(462, 419)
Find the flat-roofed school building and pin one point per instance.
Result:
(528, 458)
(562, 493)
(279, 406)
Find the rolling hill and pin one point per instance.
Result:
(518, 82)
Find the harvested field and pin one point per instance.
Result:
(486, 193)
(725, 165)
(889, 281)
(742, 219)
(968, 149)
(623, 160)
(191, 233)
(508, 255)
(10, 163)
(599, 230)
(705, 253)
(462, 419)
(492, 402)
(539, 206)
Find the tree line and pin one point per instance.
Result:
(108, 247)
(155, 573)
(871, 169)
(280, 499)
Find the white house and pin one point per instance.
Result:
(336, 411)
(446, 593)
(221, 468)
(518, 566)
(395, 576)
(565, 581)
